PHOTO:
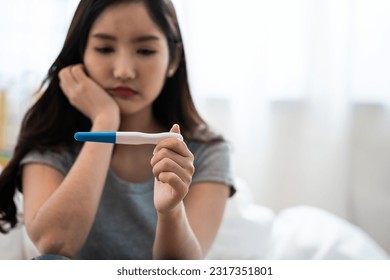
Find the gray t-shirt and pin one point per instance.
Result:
(125, 224)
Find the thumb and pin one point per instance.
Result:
(175, 128)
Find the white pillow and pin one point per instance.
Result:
(250, 231)
(305, 232)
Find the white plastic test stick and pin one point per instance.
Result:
(125, 137)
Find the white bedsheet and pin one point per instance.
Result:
(250, 231)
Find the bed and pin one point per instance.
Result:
(251, 231)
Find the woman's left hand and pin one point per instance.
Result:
(173, 168)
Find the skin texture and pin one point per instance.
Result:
(132, 52)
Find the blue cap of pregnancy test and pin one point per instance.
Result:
(105, 137)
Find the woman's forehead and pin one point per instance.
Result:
(131, 19)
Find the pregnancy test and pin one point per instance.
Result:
(125, 137)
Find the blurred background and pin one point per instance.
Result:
(301, 89)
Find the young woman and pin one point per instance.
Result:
(122, 68)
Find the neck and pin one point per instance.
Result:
(141, 121)
(132, 162)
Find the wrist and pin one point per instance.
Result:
(175, 213)
(106, 123)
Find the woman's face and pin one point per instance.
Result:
(127, 54)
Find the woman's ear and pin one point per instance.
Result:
(171, 72)
(176, 61)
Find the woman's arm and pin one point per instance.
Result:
(59, 211)
(187, 218)
(189, 231)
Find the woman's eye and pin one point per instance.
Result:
(146, 52)
(104, 50)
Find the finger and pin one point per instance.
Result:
(175, 145)
(175, 128)
(172, 142)
(66, 78)
(168, 165)
(78, 72)
(173, 155)
(174, 182)
(64, 74)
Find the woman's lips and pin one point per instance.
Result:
(123, 92)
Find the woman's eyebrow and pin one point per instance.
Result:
(139, 39)
(145, 38)
(104, 36)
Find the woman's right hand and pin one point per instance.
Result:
(86, 95)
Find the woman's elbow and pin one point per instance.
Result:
(49, 244)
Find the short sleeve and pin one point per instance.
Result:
(60, 161)
(212, 162)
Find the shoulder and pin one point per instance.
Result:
(209, 154)
(212, 147)
(60, 160)
(212, 162)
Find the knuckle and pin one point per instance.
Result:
(152, 162)
(165, 177)
(183, 190)
(187, 179)
(171, 178)
(156, 171)
(191, 169)
(165, 163)
(164, 152)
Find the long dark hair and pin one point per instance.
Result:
(51, 122)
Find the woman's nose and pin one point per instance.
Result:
(124, 68)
